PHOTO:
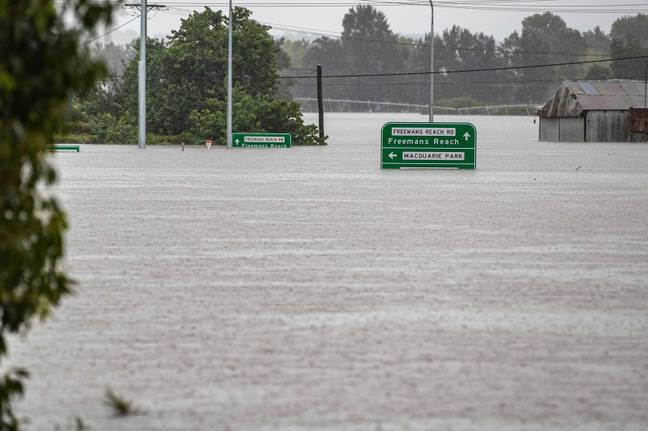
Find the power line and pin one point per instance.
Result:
(605, 8)
(488, 69)
(112, 31)
(463, 83)
(503, 6)
(416, 83)
(420, 44)
(412, 43)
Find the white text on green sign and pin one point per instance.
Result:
(261, 140)
(428, 145)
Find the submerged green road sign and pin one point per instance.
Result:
(428, 145)
(64, 147)
(261, 140)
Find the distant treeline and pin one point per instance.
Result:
(367, 45)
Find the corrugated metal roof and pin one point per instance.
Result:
(575, 97)
(607, 88)
(588, 88)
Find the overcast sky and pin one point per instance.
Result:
(409, 20)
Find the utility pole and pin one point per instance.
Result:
(141, 82)
(645, 82)
(229, 79)
(320, 104)
(431, 113)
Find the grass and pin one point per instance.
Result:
(80, 425)
(120, 406)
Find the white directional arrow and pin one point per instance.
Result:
(466, 136)
(237, 141)
(392, 155)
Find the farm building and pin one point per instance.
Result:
(595, 111)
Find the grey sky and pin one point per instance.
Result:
(405, 19)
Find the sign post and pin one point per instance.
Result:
(428, 145)
(261, 140)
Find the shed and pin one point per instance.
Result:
(593, 111)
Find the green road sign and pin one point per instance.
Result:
(428, 145)
(261, 140)
(59, 147)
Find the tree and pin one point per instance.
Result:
(42, 63)
(629, 39)
(366, 45)
(327, 52)
(296, 50)
(545, 38)
(370, 46)
(630, 28)
(459, 49)
(628, 69)
(597, 71)
(597, 42)
(186, 80)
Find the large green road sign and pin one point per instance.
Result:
(261, 140)
(429, 145)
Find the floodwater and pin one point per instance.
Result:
(304, 288)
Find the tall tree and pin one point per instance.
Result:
(544, 39)
(328, 53)
(459, 49)
(187, 82)
(630, 28)
(191, 67)
(598, 43)
(370, 46)
(629, 39)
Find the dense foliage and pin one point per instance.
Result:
(41, 63)
(186, 80)
(368, 45)
(629, 38)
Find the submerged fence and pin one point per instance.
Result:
(310, 104)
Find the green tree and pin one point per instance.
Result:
(597, 41)
(459, 49)
(545, 38)
(328, 53)
(42, 63)
(598, 71)
(252, 113)
(628, 69)
(370, 46)
(366, 45)
(186, 80)
(629, 39)
(630, 28)
(296, 50)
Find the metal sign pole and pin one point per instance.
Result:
(229, 79)
(432, 62)
(645, 82)
(141, 87)
(320, 104)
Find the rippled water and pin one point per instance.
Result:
(305, 288)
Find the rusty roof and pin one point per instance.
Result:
(575, 97)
